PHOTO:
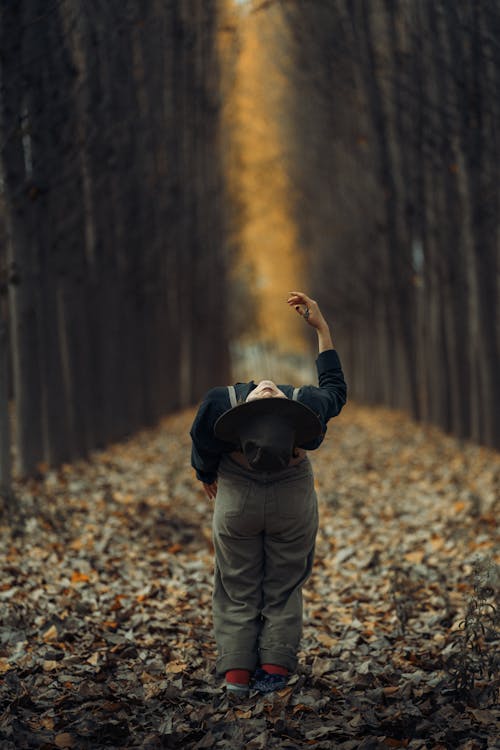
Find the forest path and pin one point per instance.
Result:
(105, 628)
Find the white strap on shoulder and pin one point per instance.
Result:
(295, 396)
(232, 395)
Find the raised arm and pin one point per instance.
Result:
(328, 398)
(309, 310)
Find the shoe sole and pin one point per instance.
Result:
(236, 689)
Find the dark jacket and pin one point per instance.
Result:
(326, 400)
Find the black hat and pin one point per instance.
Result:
(268, 429)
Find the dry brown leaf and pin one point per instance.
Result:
(322, 666)
(391, 689)
(174, 548)
(4, 666)
(175, 667)
(326, 640)
(50, 665)
(415, 557)
(64, 740)
(50, 634)
(243, 714)
(78, 577)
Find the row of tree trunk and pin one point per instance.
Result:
(114, 270)
(395, 115)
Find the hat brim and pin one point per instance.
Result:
(302, 419)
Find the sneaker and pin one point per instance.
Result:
(267, 683)
(236, 690)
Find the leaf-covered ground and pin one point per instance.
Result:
(105, 627)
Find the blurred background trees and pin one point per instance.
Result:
(171, 168)
(393, 119)
(112, 209)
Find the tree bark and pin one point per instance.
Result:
(5, 438)
(21, 192)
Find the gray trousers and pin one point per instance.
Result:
(264, 530)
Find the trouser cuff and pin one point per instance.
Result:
(236, 660)
(282, 658)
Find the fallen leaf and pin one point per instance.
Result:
(322, 666)
(175, 667)
(64, 740)
(415, 557)
(50, 665)
(4, 666)
(110, 624)
(174, 548)
(50, 634)
(77, 577)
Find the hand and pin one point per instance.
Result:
(210, 490)
(308, 308)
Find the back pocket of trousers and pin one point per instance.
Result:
(295, 499)
(232, 497)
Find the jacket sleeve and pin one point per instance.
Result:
(332, 386)
(328, 398)
(206, 449)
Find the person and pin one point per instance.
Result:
(249, 450)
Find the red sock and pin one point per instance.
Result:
(238, 676)
(274, 669)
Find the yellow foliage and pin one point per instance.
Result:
(270, 258)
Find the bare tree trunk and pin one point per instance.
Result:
(452, 253)
(20, 193)
(5, 456)
(400, 309)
